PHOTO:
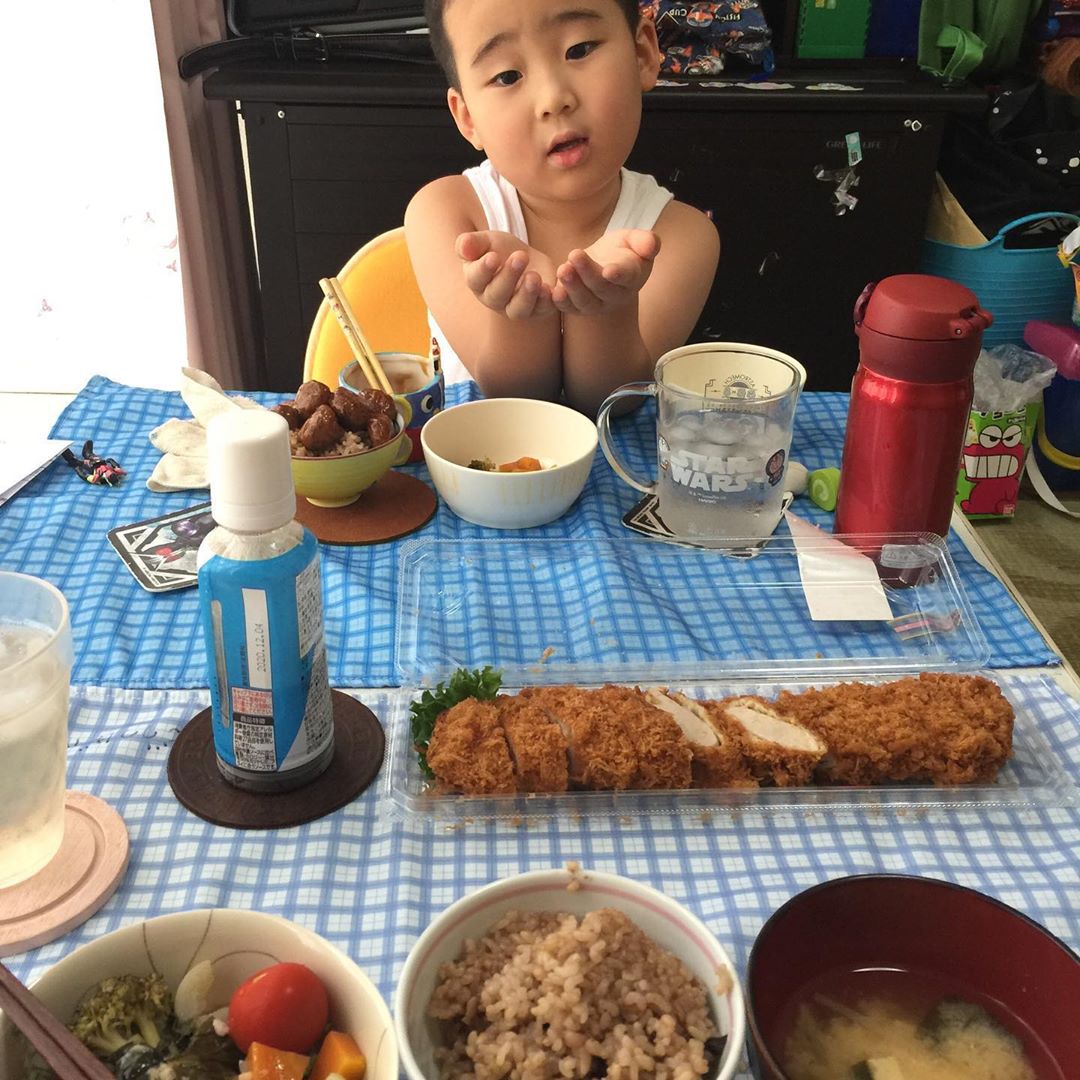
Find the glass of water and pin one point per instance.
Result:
(724, 416)
(35, 676)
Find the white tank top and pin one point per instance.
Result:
(641, 201)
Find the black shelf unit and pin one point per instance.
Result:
(336, 150)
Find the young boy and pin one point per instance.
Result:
(550, 270)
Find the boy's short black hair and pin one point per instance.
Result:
(440, 43)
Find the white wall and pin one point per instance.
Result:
(91, 283)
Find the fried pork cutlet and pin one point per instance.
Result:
(663, 753)
(948, 729)
(538, 747)
(717, 763)
(601, 753)
(468, 751)
(775, 746)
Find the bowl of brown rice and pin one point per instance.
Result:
(568, 973)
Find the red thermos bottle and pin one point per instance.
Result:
(919, 337)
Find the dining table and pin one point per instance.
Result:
(369, 879)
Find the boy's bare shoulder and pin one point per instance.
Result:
(679, 221)
(450, 197)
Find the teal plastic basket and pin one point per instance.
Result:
(1016, 285)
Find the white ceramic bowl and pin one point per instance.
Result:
(238, 943)
(670, 925)
(502, 430)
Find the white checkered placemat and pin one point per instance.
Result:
(371, 886)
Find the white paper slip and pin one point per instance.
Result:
(21, 461)
(840, 583)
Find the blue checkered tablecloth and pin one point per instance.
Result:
(371, 885)
(56, 528)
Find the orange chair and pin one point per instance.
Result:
(381, 289)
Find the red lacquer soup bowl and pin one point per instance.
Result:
(920, 945)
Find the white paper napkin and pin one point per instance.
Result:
(183, 442)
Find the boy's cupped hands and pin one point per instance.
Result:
(507, 275)
(607, 275)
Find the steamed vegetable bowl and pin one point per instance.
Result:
(213, 995)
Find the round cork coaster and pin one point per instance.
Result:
(78, 880)
(394, 506)
(197, 783)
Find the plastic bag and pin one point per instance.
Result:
(1008, 377)
(697, 39)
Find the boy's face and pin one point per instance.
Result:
(550, 90)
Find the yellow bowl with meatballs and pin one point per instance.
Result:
(343, 440)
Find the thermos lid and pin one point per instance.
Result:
(920, 327)
(921, 307)
(250, 468)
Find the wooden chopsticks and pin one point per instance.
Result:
(361, 349)
(60, 1050)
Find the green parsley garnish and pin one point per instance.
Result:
(483, 684)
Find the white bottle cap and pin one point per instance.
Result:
(250, 468)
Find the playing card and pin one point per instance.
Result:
(160, 552)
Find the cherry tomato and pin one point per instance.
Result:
(284, 1006)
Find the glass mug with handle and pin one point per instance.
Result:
(724, 416)
(35, 672)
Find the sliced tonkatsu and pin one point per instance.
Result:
(468, 750)
(944, 728)
(776, 748)
(718, 758)
(601, 752)
(663, 755)
(538, 747)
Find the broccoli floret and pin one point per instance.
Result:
(124, 1010)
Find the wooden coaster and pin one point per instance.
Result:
(394, 506)
(82, 875)
(197, 782)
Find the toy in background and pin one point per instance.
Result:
(1009, 383)
(1057, 442)
(1069, 254)
(700, 39)
(1058, 31)
(1060, 18)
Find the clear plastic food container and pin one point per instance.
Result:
(639, 613)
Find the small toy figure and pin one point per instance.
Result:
(94, 469)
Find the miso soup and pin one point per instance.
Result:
(896, 1024)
